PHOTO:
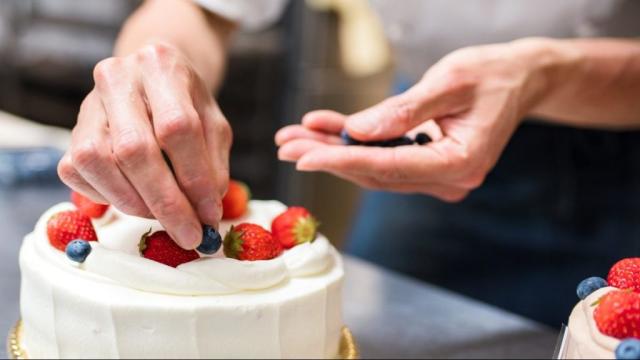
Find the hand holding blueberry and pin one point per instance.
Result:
(469, 104)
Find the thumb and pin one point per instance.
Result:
(394, 116)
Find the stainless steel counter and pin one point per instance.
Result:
(390, 315)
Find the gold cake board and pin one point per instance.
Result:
(348, 347)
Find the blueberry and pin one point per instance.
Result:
(422, 138)
(211, 240)
(78, 250)
(400, 141)
(403, 140)
(629, 349)
(380, 143)
(348, 140)
(589, 285)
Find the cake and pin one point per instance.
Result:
(119, 304)
(605, 324)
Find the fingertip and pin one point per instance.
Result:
(284, 153)
(325, 120)
(280, 137)
(209, 210)
(306, 163)
(188, 236)
(362, 128)
(310, 117)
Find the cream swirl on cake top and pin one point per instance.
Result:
(115, 257)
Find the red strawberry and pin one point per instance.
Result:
(251, 242)
(618, 314)
(294, 226)
(66, 226)
(88, 207)
(160, 247)
(625, 274)
(236, 201)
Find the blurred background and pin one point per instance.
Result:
(311, 58)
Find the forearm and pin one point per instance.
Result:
(200, 36)
(586, 82)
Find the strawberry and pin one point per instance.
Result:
(66, 226)
(88, 207)
(294, 226)
(618, 314)
(625, 274)
(236, 201)
(251, 242)
(160, 247)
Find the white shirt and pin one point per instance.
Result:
(423, 31)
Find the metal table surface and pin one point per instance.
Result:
(389, 314)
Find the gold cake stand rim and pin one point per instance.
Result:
(14, 347)
(348, 346)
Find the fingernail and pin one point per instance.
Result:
(189, 237)
(363, 124)
(278, 138)
(208, 210)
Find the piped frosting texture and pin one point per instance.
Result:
(115, 257)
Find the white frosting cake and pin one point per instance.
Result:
(118, 304)
(584, 340)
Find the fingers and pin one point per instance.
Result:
(179, 131)
(402, 169)
(292, 132)
(74, 180)
(395, 116)
(92, 161)
(294, 149)
(327, 121)
(138, 155)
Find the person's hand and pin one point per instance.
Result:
(142, 105)
(470, 103)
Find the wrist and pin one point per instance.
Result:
(547, 64)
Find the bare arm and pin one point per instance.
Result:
(588, 82)
(201, 36)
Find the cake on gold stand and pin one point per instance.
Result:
(348, 347)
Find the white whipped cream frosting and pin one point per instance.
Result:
(115, 257)
(585, 341)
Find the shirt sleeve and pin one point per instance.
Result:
(250, 14)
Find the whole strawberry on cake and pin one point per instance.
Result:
(97, 283)
(605, 324)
